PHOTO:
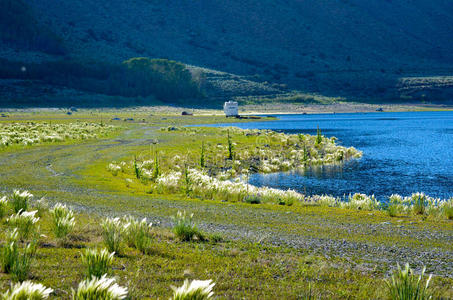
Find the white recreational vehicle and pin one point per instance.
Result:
(231, 109)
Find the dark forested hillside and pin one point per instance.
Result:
(351, 48)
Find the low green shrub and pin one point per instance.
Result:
(252, 199)
(97, 262)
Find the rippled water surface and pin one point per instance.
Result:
(402, 153)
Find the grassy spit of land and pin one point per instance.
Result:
(266, 251)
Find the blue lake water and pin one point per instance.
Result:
(403, 152)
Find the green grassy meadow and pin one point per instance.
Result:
(264, 251)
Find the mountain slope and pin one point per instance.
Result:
(353, 48)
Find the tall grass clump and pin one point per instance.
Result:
(97, 262)
(20, 200)
(405, 285)
(184, 227)
(318, 136)
(113, 234)
(187, 183)
(230, 146)
(156, 170)
(137, 170)
(202, 158)
(448, 209)
(10, 251)
(195, 290)
(103, 288)
(361, 202)
(395, 205)
(138, 233)
(3, 207)
(21, 267)
(63, 220)
(27, 290)
(16, 262)
(41, 206)
(25, 222)
(308, 294)
(419, 203)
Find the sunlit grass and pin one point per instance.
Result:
(194, 290)
(239, 267)
(113, 234)
(20, 200)
(102, 288)
(63, 220)
(25, 222)
(27, 290)
(184, 226)
(97, 262)
(405, 285)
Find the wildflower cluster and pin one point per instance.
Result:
(31, 133)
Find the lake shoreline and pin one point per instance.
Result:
(246, 110)
(342, 107)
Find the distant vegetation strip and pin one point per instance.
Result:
(137, 77)
(32, 133)
(294, 97)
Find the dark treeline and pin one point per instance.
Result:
(138, 77)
